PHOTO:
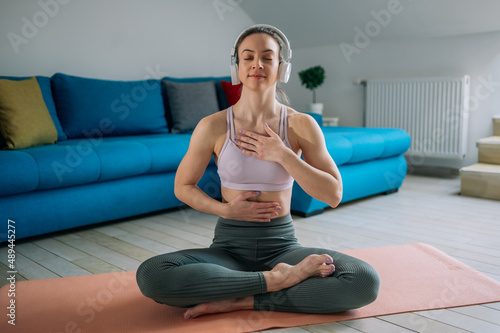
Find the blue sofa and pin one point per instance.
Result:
(116, 157)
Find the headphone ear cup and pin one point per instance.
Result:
(235, 79)
(284, 71)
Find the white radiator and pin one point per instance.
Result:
(434, 111)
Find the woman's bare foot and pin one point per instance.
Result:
(244, 303)
(284, 276)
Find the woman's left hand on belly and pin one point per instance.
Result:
(242, 209)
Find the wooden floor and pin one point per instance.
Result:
(426, 209)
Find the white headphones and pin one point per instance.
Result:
(285, 67)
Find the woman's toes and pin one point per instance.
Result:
(320, 259)
(187, 314)
(327, 259)
(327, 270)
(325, 263)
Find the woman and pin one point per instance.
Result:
(255, 261)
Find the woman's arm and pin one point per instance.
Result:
(317, 173)
(192, 168)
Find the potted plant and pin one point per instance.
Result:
(312, 78)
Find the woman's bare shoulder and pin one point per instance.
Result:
(209, 133)
(214, 124)
(300, 121)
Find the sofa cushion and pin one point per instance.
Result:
(396, 141)
(19, 172)
(123, 159)
(349, 145)
(109, 108)
(221, 96)
(47, 167)
(65, 165)
(24, 118)
(166, 150)
(365, 146)
(44, 83)
(85, 161)
(117, 159)
(190, 102)
(339, 147)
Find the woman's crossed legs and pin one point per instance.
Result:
(212, 280)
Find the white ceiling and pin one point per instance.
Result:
(325, 22)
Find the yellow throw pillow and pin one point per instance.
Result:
(24, 118)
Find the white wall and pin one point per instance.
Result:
(477, 55)
(119, 39)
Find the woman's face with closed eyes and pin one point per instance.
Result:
(258, 60)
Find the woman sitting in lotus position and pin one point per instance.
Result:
(255, 261)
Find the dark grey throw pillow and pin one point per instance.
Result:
(190, 102)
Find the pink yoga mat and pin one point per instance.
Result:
(413, 277)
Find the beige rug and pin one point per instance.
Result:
(413, 277)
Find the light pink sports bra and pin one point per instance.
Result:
(238, 171)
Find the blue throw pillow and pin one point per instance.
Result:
(93, 107)
(44, 83)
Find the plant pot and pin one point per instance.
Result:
(316, 108)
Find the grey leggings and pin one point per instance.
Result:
(232, 268)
